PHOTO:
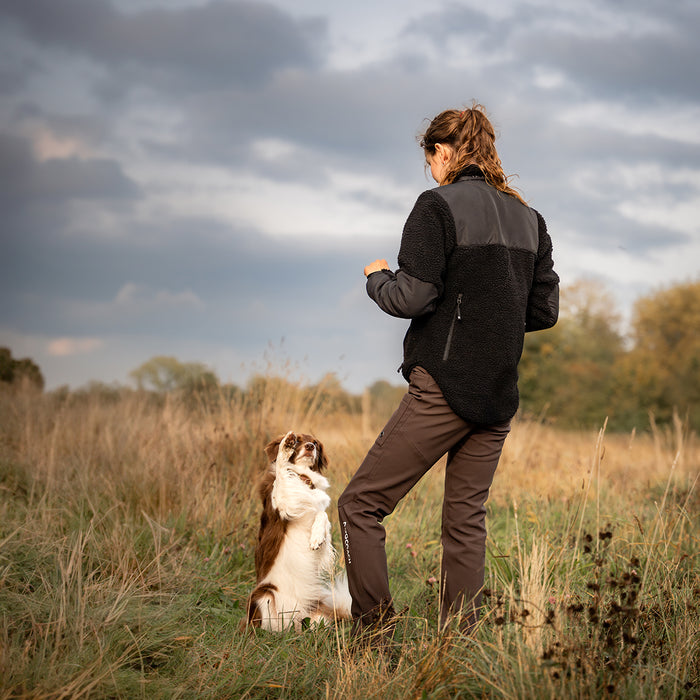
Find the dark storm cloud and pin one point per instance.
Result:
(638, 68)
(365, 119)
(352, 115)
(216, 281)
(89, 129)
(612, 58)
(219, 43)
(14, 78)
(572, 174)
(360, 115)
(454, 20)
(36, 197)
(16, 65)
(25, 180)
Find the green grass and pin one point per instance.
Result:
(126, 557)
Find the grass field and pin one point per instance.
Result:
(127, 527)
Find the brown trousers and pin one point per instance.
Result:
(421, 430)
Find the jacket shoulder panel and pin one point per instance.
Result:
(485, 216)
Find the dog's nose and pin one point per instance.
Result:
(310, 446)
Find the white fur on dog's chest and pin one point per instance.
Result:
(298, 566)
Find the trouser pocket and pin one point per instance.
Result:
(395, 421)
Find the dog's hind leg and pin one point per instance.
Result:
(262, 608)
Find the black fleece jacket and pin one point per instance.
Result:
(475, 273)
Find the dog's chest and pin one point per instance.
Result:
(295, 556)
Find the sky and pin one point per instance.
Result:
(206, 179)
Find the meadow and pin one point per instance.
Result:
(128, 522)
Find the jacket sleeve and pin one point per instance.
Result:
(399, 294)
(414, 289)
(543, 301)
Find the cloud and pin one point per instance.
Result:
(630, 53)
(199, 47)
(63, 347)
(615, 50)
(629, 120)
(23, 177)
(142, 299)
(441, 25)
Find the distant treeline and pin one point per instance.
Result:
(585, 369)
(576, 375)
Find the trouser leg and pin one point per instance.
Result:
(421, 430)
(469, 473)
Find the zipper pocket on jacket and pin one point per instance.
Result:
(457, 316)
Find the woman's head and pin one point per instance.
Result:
(456, 139)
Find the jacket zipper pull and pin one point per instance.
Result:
(457, 316)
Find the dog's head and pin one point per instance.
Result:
(308, 452)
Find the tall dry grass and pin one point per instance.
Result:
(127, 523)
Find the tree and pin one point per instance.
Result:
(567, 372)
(661, 373)
(6, 366)
(24, 371)
(330, 396)
(167, 374)
(384, 399)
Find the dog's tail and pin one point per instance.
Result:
(338, 598)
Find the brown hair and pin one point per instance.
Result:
(473, 139)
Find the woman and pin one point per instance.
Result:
(475, 273)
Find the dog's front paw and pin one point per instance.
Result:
(289, 442)
(320, 530)
(316, 540)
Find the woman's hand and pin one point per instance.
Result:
(379, 264)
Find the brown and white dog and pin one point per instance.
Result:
(294, 555)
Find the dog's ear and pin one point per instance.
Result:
(322, 459)
(273, 448)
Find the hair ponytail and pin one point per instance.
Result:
(472, 138)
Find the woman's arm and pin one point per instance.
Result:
(543, 302)
(418, 283)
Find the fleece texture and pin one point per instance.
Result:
(475, 273)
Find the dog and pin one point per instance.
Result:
(294, 555)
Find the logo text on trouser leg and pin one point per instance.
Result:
(346, 542)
